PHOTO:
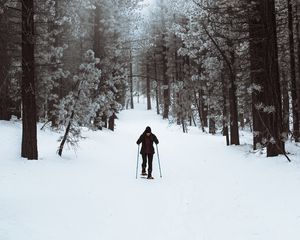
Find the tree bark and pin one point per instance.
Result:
(234, 127)
(298, 55)
(166, 89)
(131, 83)
(4, 66)
(29, 136)
(275, 145)
(204, 108)
(157, 96)
(225, 113)
(212, 122)
(198, 105)
(285, 104)
(293, 73)
(111, 122)
(104, 121)
(65, 137)
(257, 74)
(148, 88)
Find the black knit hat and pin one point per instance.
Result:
(148, 130)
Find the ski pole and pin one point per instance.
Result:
(158, 160)
(137, 162)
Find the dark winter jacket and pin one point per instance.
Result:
(142, 139)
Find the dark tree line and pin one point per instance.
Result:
(63, 64)
(220, 65)
(228, 65)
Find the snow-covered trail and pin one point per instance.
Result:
(208, 191)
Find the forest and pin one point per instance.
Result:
(223, 66)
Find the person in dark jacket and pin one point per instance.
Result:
(147, 150)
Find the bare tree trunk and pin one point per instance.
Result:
(4, 70)
(183, 125)
(165, 82)
(204, 108)
(212, 122)
(166, 89)
(298, 55)
(131, 82)
(293, 73)
(225, 113)
(65, 137)
(29, 136)
(156, 87)
(148, 88)
(234, 128)
(242, 121)
(104, 120)
(275, 144)
(285, 103)
(111, 122)
(198, 103)
(211, 116)
(4, 114)
(257, 74)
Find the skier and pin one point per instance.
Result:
(147, 150)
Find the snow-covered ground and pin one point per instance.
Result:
(208, 191)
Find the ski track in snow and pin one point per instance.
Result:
(208, 191)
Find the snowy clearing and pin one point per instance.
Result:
(208, 191)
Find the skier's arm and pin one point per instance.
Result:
(139, 140)
(155, 140)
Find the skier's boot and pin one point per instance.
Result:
(150, 177)
(144, 172)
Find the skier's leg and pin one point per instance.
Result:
(150, 160)
(144, 164)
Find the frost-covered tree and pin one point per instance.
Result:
(215, 53)
(78, 108)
